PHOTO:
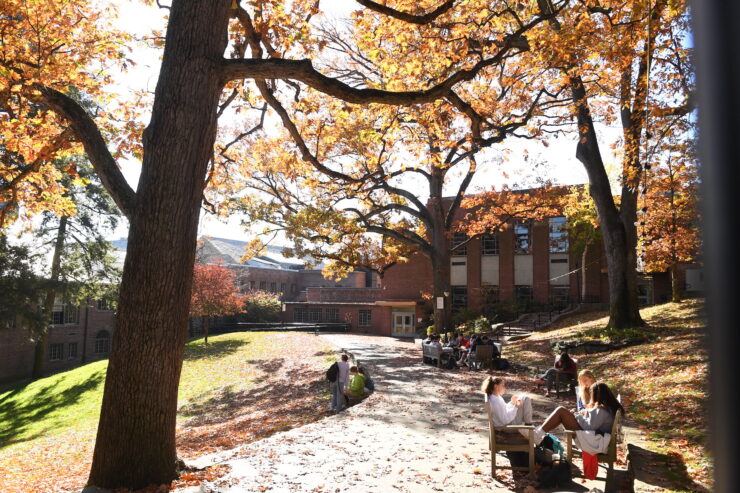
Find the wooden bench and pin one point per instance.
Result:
(611, 454)
(509, 439)
(431, 352)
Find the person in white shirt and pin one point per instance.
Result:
(517, 411)
(341, 384)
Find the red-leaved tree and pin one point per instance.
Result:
(214, 292)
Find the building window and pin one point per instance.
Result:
(55, 352)
(459, 297)
(102, 342)
(72, 350)
(63, 313)
(263, 285)
(524, 294)
(559, 295)
(314, 315)
(365, 318)
(252, 285)
(332, 315)
(299, 315)
(282, 288)
(523, 237)
(489, 244)
(105, 305)
(558, 235)
(457, 239)
(293, 288)
(273, 287)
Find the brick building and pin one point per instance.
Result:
(529, 265)
(78, 335)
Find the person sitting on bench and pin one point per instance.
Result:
(563, 363)
(517, 411)
(598, 417)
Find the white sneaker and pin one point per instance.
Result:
(539, 434)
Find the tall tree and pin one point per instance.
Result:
(669, 223)
(82, 266)
(135, 444)
(215, 292)
(630, 59)
(399, 174)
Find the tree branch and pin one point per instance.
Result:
(97, 151)
(410, 18)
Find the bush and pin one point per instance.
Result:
(481, 324)
(262, 306)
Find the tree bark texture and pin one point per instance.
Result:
(51, 294)
(620, 258)
(135, 444)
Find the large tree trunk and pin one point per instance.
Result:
(620, 257)
(51, 294)
(135, 444)
(440, 284)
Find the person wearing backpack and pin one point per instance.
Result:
(338, 375)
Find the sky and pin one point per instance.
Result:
(559, 155)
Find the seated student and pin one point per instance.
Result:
(599, 417)
(516, 412)
(369, 384)
(455, 341)
(356, 383)
(562, 363)
(583, 393)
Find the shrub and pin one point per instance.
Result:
(464, 315)
(262, 306)
(481, 324)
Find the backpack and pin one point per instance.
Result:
(332, 372)
(557, 475)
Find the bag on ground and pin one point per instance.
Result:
(518, 459)
(332, 372)
(557, 475)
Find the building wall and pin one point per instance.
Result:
(380, 318)
(17, 350)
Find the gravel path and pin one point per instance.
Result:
(424, 429)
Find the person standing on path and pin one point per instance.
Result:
(341, 383)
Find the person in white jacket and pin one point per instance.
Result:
(517, 411)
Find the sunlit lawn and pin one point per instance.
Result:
(47, 428)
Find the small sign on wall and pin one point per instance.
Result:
(440, 303)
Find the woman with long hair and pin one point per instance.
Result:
(583, 397)
(598, 417)
(516, 412)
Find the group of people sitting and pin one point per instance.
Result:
(351, 382)
(596, 407)
(463, 346)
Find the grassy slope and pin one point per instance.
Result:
(53, 421)
(665, 378)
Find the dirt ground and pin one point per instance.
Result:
(424, 429)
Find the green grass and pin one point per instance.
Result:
(70, 401)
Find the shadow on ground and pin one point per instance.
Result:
(47, 399)
(662, 470)
(212, 350)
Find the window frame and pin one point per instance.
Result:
(490, 237)
(519, 238)
(56, 351)
(332, 315)
(458, 238)
(458, 297)
(72, 350)
(102, 336)
(365, 318)
(558, 236)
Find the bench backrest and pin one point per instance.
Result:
(483, 353)
(431, 350)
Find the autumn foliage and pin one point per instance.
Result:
(215, 292)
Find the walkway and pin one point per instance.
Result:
(423, 429)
